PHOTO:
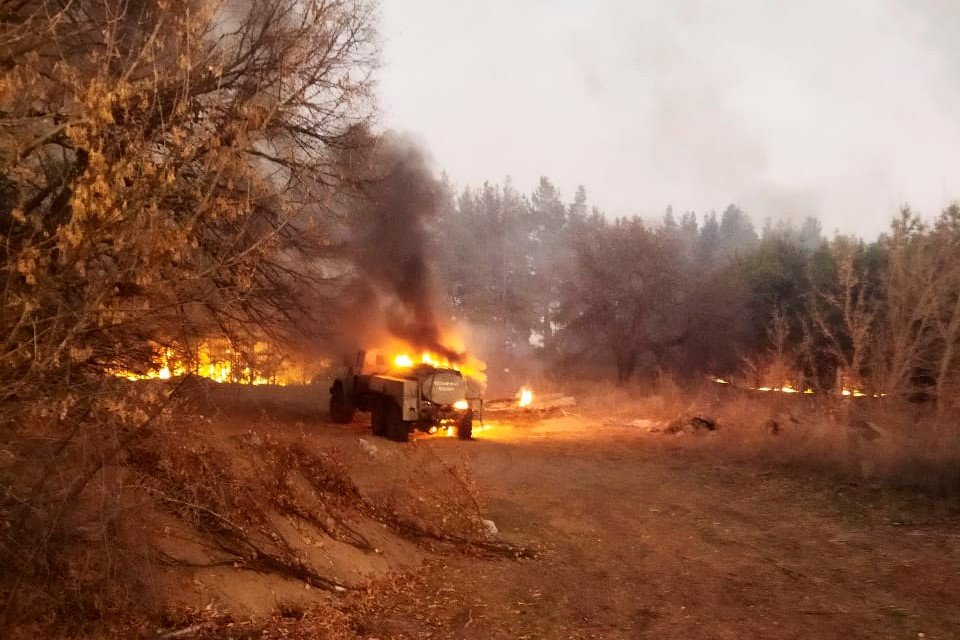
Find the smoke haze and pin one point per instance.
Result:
(843, 109)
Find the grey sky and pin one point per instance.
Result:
(840, 108)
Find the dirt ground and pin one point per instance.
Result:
(644, 536)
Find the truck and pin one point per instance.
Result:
(400, 399)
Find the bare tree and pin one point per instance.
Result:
(945, 247)
(845, 314)
(778, 365)
(912, 286)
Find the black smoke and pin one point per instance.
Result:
(397, 199)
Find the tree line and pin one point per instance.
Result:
(705, 294)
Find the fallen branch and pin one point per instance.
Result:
(412, 530)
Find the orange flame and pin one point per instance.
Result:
(402, 355)
(214, 361)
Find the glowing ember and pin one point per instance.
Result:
(720, 381)
(525, 397)
(788, 389)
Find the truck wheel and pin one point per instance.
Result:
(341, 409)
(465, 426)
(378, 418)
(397, 430)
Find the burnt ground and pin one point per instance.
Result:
(644, 536)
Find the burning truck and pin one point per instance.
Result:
(404, 394)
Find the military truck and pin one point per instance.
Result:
(400, 399)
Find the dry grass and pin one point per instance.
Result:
(883, 441)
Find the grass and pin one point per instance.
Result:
(889, 443)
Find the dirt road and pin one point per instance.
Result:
(647, 538)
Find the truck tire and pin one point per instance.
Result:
(341, 408)
(378, 417)
(465, 426)
(397, 430)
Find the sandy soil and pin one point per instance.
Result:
(646, 537)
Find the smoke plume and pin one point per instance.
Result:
(398, 199)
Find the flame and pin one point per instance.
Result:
(215, 361)
(469, 367)
(447, 428)
(856, 393)
(397, 354)
(787, 387)
(525, 397)
(790, 388)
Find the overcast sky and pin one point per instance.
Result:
(840, 108)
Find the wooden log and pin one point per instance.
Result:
(540, 403)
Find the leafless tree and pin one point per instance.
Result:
(845, 314)
(912, 287)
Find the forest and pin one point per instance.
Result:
(782, 306)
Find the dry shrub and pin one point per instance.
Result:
(231, 497)
(433, 496)
(662, 399)
(63, 499)
(881, 440)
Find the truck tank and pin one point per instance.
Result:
(442, 387)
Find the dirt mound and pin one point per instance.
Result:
(243, 518)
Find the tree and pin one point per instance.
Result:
(736, 234)
(845, 314)
(626, 294)
(164, 177)
(708, 245)
(945, 243)
(810, 234)
(578, 208)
